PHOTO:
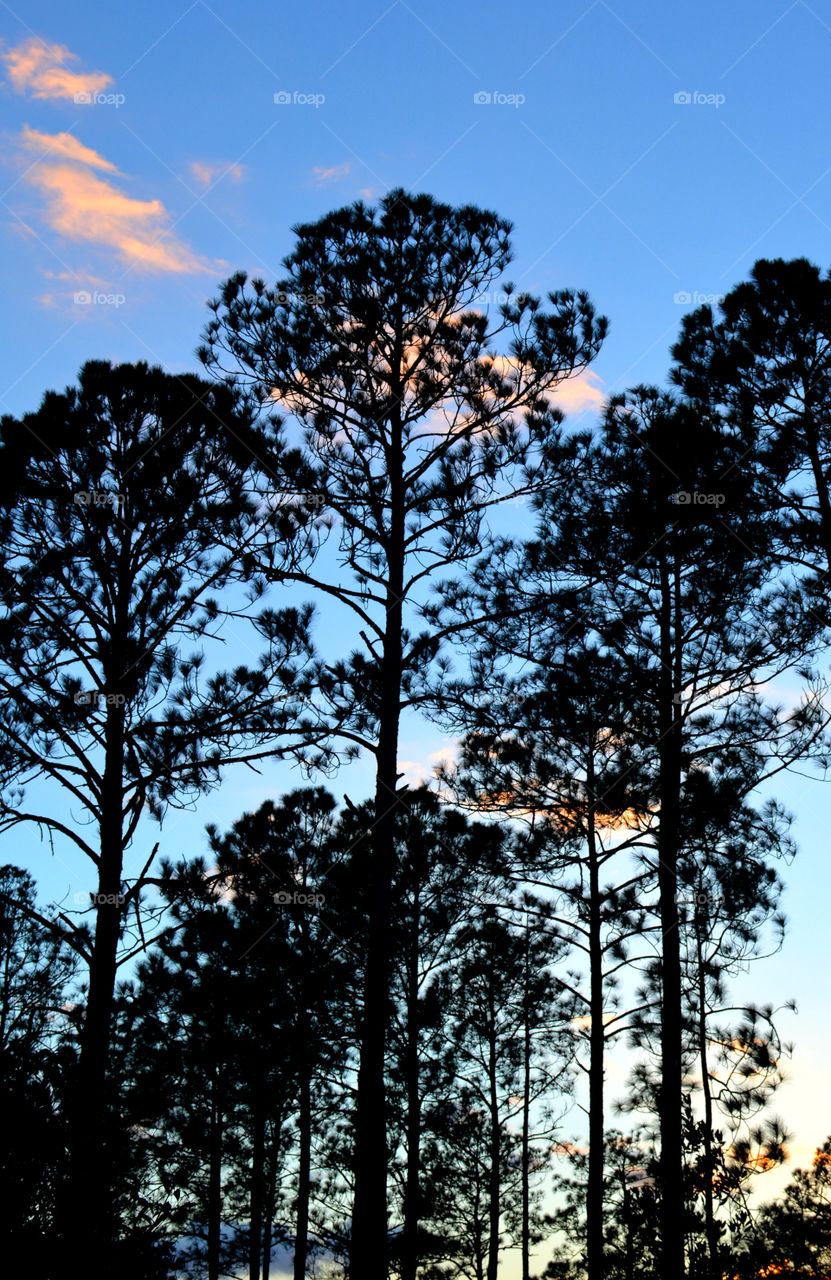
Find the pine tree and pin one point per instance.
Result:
(410, 398)
(37, 967)
(126, 503)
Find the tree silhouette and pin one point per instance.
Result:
(126, 502)
(291, 855)
(248, 995)
(685, 598)
(500, 1041)
(692, 604)
(409, 410)
(445, 866)
(36, 971)
(733, 1054)
(765, 365)
(797, 1228)
(556, 743)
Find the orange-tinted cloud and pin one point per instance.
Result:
(579, 393)
(206, 173)
(84, 207)
(42, 70)
(65, 146)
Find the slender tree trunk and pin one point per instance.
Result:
(89, 1198)
(304, 1171)
(257, 1172)
(821, 483)
(412, 1192)
(526, 1117)
(267, 1230)
(215, 1180)
(268, 1210)
(369, 1244)
(597, 1045)
(709, 1213)
(480, 1251)
(494, 1184)
(669, 729)
(629, 1261)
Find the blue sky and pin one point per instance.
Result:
(647, 152)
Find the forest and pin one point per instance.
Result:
(356, 1036)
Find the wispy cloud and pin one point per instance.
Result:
(67, 285)
(81, 206)
(42, 70)
(66, 146)
(322, 176)
(207, 172)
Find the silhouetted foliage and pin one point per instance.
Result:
(370, 1040)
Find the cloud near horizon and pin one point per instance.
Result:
(40, 70)
(86, 208)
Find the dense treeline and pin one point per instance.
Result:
(369, 1039)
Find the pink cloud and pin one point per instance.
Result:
(41, 71)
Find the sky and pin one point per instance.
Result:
(646, 152)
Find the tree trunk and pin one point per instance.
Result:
(215, 1180)
(629, 1260)
(597, 1045)
(669, 729)
(89, 1197)
(494, 1181)
(369, 1244)
(821, 483)
(267, 1228)
(709, 1214)
(368, 1256)
(304, 1172)
(268, 1210)
(257, 1172)
(526, 1118)
(412, 1193)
